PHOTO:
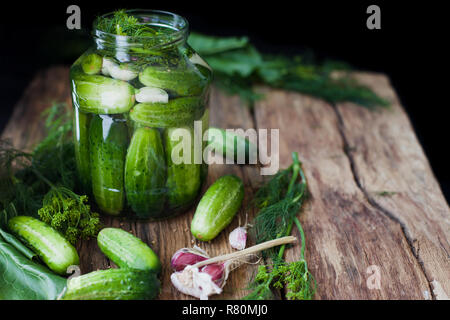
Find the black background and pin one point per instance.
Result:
(409, 47)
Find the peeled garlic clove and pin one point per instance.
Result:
(106, 65)
(185, 257)
(238, 238)
(122, 72)
(151, 95)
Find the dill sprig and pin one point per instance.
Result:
(39, 183)
(279, 202)
(123, 24)
(70, 214)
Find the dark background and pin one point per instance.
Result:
(408, 47)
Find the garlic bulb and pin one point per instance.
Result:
(209, 276)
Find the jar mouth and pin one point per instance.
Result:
(179, 29)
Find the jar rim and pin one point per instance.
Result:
(177, 23)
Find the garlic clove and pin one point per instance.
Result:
(106, 65)
(217, 273)
(122, 72)
(151, 95)
(192, 282)
(186, 256)
(238, 238)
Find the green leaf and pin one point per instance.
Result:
(17, 244)
(206, 45)
(24, 279)
(242, 62)
(237, 85)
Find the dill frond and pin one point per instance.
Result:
(279, 201)
(40, 183)
(123, 24)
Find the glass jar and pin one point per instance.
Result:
(132, 97)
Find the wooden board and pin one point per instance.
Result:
(375, 208)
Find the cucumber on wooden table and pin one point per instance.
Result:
(127, 251)
(54, 250)
(217, 207)
(108, 139)
(145, 173)
(113, 284)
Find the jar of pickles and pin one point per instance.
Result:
(132, 92)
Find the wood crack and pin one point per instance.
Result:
(348, 149)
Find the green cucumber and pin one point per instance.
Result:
(127, 251)
(108, 140)
(145, 173)
(54, 250)
(81, 142)
(113, 284)
(177, 113)
(183, 179)
(92, 63)
(101, 95)
(217, 207)
(185, 82)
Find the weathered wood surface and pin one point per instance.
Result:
(351, 156)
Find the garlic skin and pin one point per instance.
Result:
(151, 95)
(192, 282)
(199, 283)
(218, 271)
(238, 238)
(187, 256)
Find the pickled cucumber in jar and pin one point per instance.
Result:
(137, 86)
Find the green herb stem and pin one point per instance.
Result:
(302, 237)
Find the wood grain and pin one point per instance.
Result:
(394, 174)
(346, 234)
(350, 155)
